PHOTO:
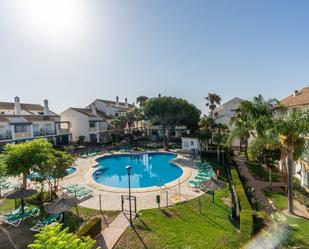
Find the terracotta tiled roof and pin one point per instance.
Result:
(113, 103)
(301, 98)
(30, 107)
(38, 118)
(88, 112)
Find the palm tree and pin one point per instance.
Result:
(220, 137)
(116, 122)
(291, 130)
(141, 100)
(205, 126)
(212, 101)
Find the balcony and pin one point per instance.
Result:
(63, 131)
(5, 136)
(93, 129)
(42, 133)
(23, 135)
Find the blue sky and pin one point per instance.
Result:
(73, 51)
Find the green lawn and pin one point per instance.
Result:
(261, 173)
(299, 235)
(182, 226)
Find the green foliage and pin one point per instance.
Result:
(92, 228)
(20, 158)
(81, 139)
(141, 100)
(246, 218)
(54, 169)
(291, 129)
(53, 236)
(170, 112)
(2, 167)
(212, 101)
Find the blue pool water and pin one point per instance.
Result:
(34, 175)
(148, 169)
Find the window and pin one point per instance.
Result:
(191, 143)
(185, 144)
(92, 124)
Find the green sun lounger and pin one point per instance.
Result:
(195, 183)
(16, 211)
(46, 221)
(15, 220)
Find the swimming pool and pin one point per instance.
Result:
(148, 170)
(34, 175)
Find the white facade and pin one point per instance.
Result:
(190, 145)
(20, 122)
(88, 123)
(224, 113)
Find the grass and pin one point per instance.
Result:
(261, 172)
(182, 226)
(299, 232)
(73, 218)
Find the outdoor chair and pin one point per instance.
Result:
(46, 221)
(15, 220)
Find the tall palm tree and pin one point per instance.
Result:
(292, 130)
(141, 100)
(207, 124)
(220, 137)
(212, 101)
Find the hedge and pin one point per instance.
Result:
(92, 228)
(246, 218)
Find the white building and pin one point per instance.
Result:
(91, 123)
(299, 101)
(225, 112)
(190, 144)
(112, 108)
(20, 122)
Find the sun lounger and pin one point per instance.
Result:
(195, 183)
(46, 221)
(16, 211)
(15, 220)
(84, 193)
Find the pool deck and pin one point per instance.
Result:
(145, 197)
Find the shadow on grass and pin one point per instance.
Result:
(139, 237)
(170, 213)
(142, 226)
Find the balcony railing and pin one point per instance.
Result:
(63, 131)
(43, 133)
(5, 137)
(93, 129)
(23, 134)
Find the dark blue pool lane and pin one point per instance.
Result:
(148, 169)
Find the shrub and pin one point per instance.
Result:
(300, 193)
(92, 228)
(246, 218)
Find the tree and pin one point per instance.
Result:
(54, 169)
(116, 122)
(2, 168)
(212, 101)
(21, 158)
(141, 100)
(170, 112)
(267, 151)
(207, 123)
(81, 140)
(53, 236)
(291, 130)
(220, 137)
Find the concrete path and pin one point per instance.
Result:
(258, 185)
(110, 235)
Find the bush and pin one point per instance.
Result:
(92, 228)
(246, 218)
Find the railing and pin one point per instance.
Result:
(102, 129)
(5, 137)
(63, 131)
(23, 134)
(92, 128)
(43, 133)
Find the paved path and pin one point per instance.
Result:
(258, 185)
(110, 235)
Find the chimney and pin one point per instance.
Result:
(295, 93)
(17, 107)
(93, 109)
(46, 108)
(117, 101)
(126, 103)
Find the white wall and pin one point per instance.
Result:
(188, 144)
(100, 105)
(79, 124)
